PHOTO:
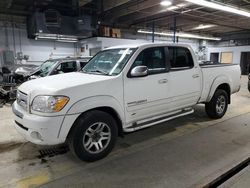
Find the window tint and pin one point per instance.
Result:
(82, 64)
(180, 57)
(153, 58)
(66, 67)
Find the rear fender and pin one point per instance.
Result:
(216, 83)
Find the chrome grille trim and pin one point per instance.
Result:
(22, 99)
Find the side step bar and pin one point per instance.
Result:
(144, 124)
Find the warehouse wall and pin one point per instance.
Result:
(38, 51)
(102, 42)
(148, 37)
(236, 50)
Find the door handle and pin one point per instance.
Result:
(196, 76)
(163, 81)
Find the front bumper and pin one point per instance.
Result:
(38, 129)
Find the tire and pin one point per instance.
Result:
(96, 128)
(218, 105)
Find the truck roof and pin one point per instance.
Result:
(69, 58)
(147, 45)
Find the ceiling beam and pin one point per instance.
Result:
(188, 17)
(83, 2)
(135, 7)
(150, 12)
(14, 12)
(110, 4)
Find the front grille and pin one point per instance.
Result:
(22, 99)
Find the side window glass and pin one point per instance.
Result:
(180, 58)
(82, 64)
(66, 67)
(153, 58)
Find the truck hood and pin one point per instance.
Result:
(53, 84)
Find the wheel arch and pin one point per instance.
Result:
(106, 104)
(226, 87)
(223, 83)
(106, 109)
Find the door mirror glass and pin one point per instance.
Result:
(139, 71)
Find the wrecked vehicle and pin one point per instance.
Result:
(58, 66)
(11, 76)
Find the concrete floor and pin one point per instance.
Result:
(187, 152)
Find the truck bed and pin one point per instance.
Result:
(212, 72)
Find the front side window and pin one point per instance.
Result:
(66, 67)
(109, 62)
(180, 58)
(153, 58)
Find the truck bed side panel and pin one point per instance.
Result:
(214, 75)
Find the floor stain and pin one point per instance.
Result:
(7, 146)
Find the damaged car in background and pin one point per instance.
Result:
(12, 75)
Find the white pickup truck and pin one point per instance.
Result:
(121, 89)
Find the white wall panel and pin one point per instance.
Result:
(236, 50)
(38, 51)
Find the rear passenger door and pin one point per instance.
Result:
(185, 81)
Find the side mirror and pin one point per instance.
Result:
(139, 71)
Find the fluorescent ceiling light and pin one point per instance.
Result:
(166, 3)
(46, 37)
(175, 7)
(222, 7)
(59, 40)
(64, 38)
(202, 26)
(181, 35)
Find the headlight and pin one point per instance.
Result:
(48, 104)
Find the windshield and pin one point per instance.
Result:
(109, 62)
(46, 67)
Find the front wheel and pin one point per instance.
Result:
(217, 107)
(93, 136)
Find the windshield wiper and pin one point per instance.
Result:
(100, 71)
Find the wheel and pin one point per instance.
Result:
(217, 107)
(93, 136)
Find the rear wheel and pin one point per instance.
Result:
(93, 136)
(217, 107)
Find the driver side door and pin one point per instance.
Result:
(147, 96)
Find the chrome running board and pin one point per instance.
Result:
(153, 121)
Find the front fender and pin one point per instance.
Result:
(216, 83)
(87, 104)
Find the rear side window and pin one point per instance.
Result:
(153, 58)
(180, 58)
